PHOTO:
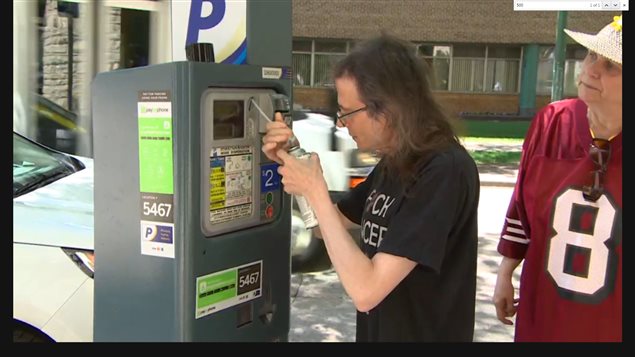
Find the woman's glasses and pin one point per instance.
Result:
(600, 152)
(341, 116)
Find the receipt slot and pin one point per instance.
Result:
(192, 226)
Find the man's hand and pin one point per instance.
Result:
(300, 177)
(276, 138)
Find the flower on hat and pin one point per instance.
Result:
(617, 23)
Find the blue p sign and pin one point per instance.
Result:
(148, 231)
(197, 22)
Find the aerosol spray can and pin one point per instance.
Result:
(308, 216)
(280, 103)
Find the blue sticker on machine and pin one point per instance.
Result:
(217, 162)
(287, 72)
(158, 233)
(269, 178)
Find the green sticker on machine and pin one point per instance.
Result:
(223, 289)
(155, 142)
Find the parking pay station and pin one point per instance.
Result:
(192, 226)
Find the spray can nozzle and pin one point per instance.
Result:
(292, 142)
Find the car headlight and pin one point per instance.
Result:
(85, 260)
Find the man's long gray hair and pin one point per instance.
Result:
(391, 80)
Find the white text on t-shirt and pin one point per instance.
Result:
(373, 233)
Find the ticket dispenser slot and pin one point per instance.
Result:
(243, 185)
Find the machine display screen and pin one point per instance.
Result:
(229, 119)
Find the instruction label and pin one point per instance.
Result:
(231, 183)
(156, 173)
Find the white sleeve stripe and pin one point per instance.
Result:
(513, 221)
(515, 230)
(515, 239)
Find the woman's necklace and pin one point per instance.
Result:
(604, 130)
(593, 136)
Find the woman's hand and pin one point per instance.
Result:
(300, 177)
(506, 304)
(276, 138)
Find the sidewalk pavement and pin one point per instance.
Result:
(321, 311)
(498, 175)
(492, 174)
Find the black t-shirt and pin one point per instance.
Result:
(435, 225)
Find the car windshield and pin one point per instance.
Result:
(35, 166)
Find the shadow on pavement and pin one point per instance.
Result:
(320, 309)
(322, 312)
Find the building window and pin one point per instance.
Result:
(574, 56)
(302, 62)
(480, 68)
(438, 61)
(327, 54)
(503, 67)
(455, 68)
(468, 68)
(313, 61)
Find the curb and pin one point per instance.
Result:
(496, 180)
(498, 175)
(501, 175)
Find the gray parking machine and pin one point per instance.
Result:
(192, 227)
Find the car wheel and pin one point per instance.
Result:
(25, 333)
(307, 252)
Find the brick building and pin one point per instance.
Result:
(486, 57)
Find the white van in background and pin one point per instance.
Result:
(344, 167)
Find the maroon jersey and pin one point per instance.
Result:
(571, 282)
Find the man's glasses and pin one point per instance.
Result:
(341, 116)
(600, 152)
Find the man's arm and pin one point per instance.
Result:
(348, 224)
(366, 281)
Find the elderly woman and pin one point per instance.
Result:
(565, 216)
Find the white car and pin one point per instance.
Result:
(52, 244)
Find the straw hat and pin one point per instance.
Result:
(607, 42)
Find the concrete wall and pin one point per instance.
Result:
(318, 99)
(455, 103)
(55, 44)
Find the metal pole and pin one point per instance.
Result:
(559, 54)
